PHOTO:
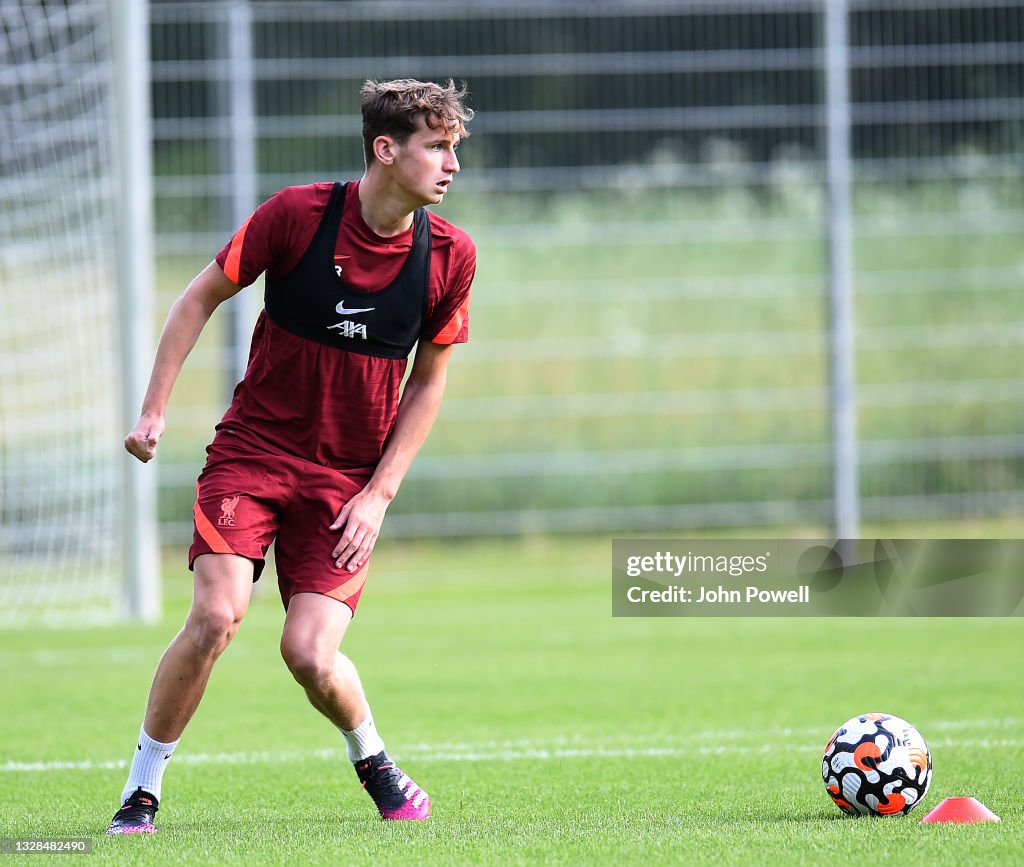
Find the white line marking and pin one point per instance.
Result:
(139, 654)
(548, 749)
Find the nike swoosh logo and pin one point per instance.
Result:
(349, 311)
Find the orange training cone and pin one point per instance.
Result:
(961, 811)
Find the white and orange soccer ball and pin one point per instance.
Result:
(877, 765)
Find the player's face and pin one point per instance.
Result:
(426, 163)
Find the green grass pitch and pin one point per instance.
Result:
(546, 731)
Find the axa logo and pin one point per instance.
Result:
(227, 511)
(337, 263)
(348, 328)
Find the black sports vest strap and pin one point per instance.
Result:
(314, 301)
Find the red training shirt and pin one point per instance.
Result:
(327, 405)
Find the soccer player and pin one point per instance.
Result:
(319, 434)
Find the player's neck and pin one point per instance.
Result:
(384, 211)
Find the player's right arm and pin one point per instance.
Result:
(274, 237)
(190, 313)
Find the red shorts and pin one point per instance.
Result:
(246, 499)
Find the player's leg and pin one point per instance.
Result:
(223, 586)
(314, 627)
(320, 599)
(238, 498)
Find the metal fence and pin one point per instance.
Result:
(647, 185)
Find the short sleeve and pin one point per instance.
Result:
(448, 322)
(275, 236)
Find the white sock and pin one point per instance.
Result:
(148, 766)
(364, 741)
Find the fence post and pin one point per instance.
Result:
(241, 170)
(135, 279)
(843, 407)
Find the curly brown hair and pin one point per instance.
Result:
(391, 107)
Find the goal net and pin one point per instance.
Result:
(59, 422)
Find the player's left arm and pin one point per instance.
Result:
(361, 518)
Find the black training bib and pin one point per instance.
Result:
(313, 300)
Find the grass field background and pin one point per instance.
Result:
(545, 730)
(657, 348)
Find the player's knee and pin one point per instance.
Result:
(211, 628)
(310, 667)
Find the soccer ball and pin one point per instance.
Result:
(878, 765)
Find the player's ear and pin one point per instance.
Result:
(384, 149)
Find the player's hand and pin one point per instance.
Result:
(359, 522)
(141, 442)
